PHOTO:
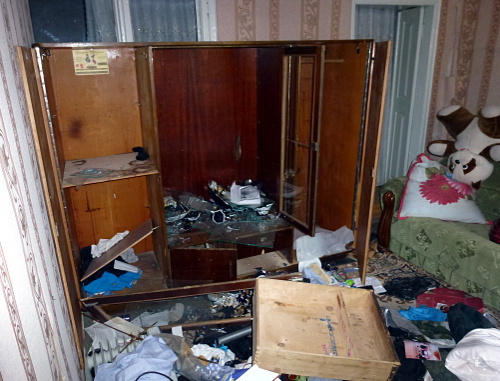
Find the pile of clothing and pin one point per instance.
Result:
(468, 342)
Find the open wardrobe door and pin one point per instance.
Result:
(51, 186)
(302, 91)
(378, 71)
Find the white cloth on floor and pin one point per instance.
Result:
(106, 244)
(213, 354)
(129, 256)
(476, 356)
(151, 355)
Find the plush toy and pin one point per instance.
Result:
(476, 144)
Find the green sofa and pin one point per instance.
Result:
(458, 253)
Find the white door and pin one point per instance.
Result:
(399, 146)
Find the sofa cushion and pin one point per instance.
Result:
(458, 253)
(487, 198)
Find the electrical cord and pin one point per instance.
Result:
(153, 372)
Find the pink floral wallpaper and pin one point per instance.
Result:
(467, 52)
(36, 340)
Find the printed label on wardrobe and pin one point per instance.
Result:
(90, 61)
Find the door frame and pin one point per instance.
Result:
(425, 69)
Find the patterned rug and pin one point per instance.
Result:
(387, 266)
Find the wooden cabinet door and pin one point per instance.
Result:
(343, 108)
(354, 81)
(52, 189)
(302, 95)
(377, 84)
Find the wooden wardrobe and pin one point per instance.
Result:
(302, 115)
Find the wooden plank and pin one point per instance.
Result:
(267, 261)
(98, 313)
(114, 252)
(121, 166)
(201, 324)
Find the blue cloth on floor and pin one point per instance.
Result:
(423, 313)
(110, 282)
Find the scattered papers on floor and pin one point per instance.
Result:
(323, 243)
(256, 373)
(378, 288)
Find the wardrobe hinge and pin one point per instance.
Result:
(314, 146)
(45, 53)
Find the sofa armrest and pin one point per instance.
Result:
(384, 224)
(390, 200)
(396, 186)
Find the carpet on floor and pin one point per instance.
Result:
(387, 266)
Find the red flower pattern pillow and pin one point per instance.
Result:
(430, 193)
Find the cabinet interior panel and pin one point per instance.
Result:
(94, 115)
(206, 106)
(341, 126)
(101, 210)
(192, 266)
(269, 123)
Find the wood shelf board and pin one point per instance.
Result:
(134, 295)
(115, 251)
(122, 166)
(268, 261)
(152, 278)
(210, 323)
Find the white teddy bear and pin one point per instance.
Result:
(476, 145)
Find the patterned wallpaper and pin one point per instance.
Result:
(467, 58)
(250, 20)
(467, 54)
(36, 341)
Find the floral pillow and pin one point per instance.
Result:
(430, 193)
